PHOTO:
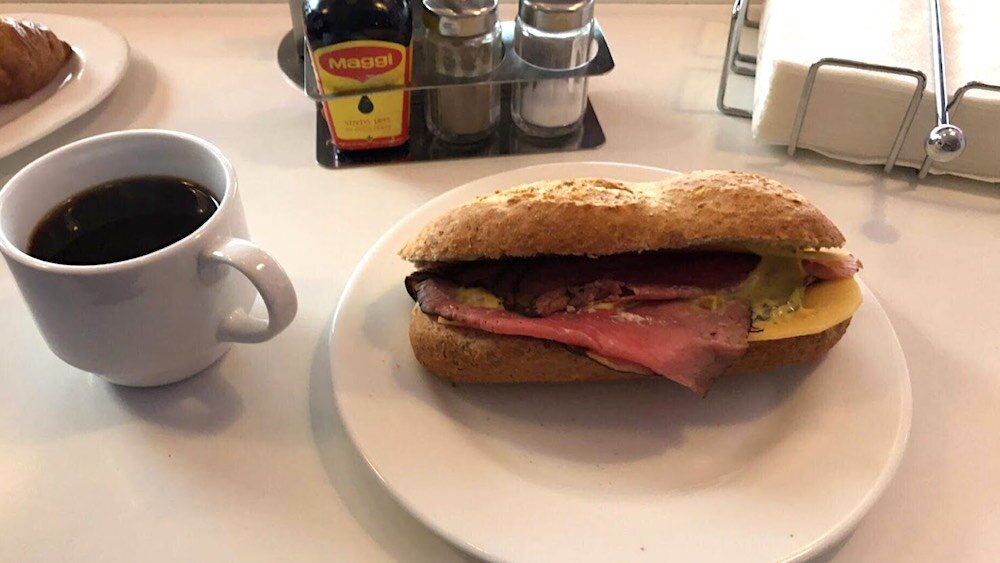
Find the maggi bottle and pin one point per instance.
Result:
(363, 45)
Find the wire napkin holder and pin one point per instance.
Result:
(945, 142)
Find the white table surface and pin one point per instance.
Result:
(249, 462)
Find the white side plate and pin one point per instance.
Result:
(100, 57)
(771, 467)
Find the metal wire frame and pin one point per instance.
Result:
(745, 65)
(904, 127)
(953, 110)
(738, 20)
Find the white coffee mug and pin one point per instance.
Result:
(161, 317)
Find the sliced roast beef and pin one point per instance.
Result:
(675, 339)
(832, 269)
(546, 285)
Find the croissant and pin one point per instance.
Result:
(30, 57)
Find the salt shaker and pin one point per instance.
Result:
(463, 40)
(552, 34)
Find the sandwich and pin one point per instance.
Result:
(687, 279)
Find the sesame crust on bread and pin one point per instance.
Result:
(595, 217)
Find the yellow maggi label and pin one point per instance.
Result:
(371, 120)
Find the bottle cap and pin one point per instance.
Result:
(460, 18)
(556, 15)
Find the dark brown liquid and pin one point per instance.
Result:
(121, 219)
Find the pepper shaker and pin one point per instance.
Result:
(552, 34)
(463, 40)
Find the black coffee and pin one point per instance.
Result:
(121, 219)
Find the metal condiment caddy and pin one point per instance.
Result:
(945, 142)
(295, 59)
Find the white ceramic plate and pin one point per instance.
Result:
(97, 66)
(767, 468)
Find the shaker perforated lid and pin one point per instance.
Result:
(556, 15)
(460, 18)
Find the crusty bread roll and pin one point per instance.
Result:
(596, 217)
(30, 57)
(472, 356)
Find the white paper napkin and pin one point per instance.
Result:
(855, 115)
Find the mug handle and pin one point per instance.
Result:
(272, 284)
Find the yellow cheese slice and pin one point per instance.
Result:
(825, 304)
